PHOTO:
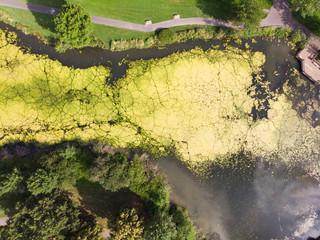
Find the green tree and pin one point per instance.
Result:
(248, 12)
(128, 226)
(184, 225)
(43, 181)
(9, 182)
(161, 227)
(111, 171)
(73, 26)
(68, 163)
(47, 217)
(306, 7)
(50, 216)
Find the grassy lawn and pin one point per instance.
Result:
(127, 10)
(134, 11)
(156, 10)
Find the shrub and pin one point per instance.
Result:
(166, 36)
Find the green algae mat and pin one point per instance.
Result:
(196, 103)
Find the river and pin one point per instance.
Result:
(273, 203)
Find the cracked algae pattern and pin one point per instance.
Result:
(199, 102)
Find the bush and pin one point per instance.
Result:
(166, 36)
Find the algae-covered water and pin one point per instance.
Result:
(237, 113)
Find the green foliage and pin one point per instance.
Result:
(299, 38)
(9, 182)
(166, 36)
(318, 57)
(43, 182)
(47, 217)
(111, 171)
(248, 12)
(153, 192)
(69, 163)
(74, 26)
(306, 7)
(128, 226)
(184, 225)
(162, 227)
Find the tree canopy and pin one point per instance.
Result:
(306, 7)
(45, 217)
(73, 26)
(248, 12)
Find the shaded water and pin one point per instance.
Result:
(270, 204)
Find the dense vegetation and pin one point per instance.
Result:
(307, 12)
(45, 209)
(73, 26)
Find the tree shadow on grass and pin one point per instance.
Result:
(220, 9)
(107, 204)
(46, 21)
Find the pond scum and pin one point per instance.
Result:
(197, 102)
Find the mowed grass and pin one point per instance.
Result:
(43, 25)
(133, 11)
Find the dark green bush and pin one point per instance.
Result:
(166, 36)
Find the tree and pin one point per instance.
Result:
(50, 216)
(46, 217)
(248, 12)
(184, 225)
(306, 7)
(128, 226)
(111, 171)
(73, 26)
(67, 163)
(9, 182)
(43, 181)
(162, 227)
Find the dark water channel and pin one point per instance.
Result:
(266, 205)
